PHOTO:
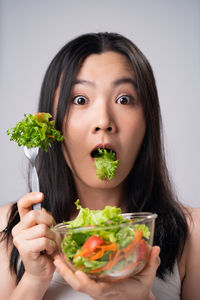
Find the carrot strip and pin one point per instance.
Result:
(97, 270)
(103, 249)
(109, 247)
(97, 255)
(51, 136)
(115, 259)
(38, 114)
(135, 241)
(110, 264)
(81, 253)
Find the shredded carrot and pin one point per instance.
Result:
(97, 270)
(97, 255)
(51, 136)
(81, 253)
(109, 247)
(116, 255)
(114, 260)
(103, 249)
(135, 241)
(38, 114)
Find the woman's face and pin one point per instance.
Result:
(105, 111)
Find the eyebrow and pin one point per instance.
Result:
(115, 83)
(84, 82)
(124, 80)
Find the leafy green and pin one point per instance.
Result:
(35, 131)
(88, 217)
(89, 265)
(144, 228)
(105, 164)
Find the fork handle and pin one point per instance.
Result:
(35, 186)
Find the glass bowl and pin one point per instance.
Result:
(108, 252)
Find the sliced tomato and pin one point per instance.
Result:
(142, 250)
(91, 245)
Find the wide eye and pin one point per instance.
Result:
(80, 100)
(124, 100)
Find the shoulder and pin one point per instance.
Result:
(193, 221)
(191, 255)
(7, 279)
(4, 215)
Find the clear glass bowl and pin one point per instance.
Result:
(102, 258)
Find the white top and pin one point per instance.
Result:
(60, 290)
(162, 290)
(170, 289)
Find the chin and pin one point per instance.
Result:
(96, 183)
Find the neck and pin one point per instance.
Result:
(98, 198)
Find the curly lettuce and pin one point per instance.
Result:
(35, 131)
(105, 164)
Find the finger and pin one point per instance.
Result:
(92, 288)
(32, 218)
(79, 280)
(40, 230)
(66, 273)
(153, 263)
(35, 247)
(25, 204)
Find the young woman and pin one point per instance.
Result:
(101, 91)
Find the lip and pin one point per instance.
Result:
(105, 145)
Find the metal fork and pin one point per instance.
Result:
(31, 154)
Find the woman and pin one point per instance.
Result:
(101, 91)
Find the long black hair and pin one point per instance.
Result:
(147, 187)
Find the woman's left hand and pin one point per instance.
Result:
(134, 287)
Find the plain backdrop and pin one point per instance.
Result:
(168, 32)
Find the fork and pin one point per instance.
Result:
(31, 154)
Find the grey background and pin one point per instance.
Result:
(168, 32)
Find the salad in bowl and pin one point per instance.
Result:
(106, 244)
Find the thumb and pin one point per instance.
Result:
(149, 272)
(25, 204)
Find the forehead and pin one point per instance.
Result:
(108, 63)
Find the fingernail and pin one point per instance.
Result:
(157, 251)
(38, 196)
(56, 263)
(79, 275)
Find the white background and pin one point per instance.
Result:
(168, 32)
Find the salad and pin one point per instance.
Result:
(104, 242)
(35, 131)
(105, 164)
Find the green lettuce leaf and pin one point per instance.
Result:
(35, 131)
(105, 164)
(88, 217)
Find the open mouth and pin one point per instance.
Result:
(95, 152)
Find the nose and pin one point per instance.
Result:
(104, 121)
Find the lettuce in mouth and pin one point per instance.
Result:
(105, 164)
(35, 131)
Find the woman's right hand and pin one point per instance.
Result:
(34, 239)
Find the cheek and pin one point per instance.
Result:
(75, 134)
(134, 131)
(72, 130)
